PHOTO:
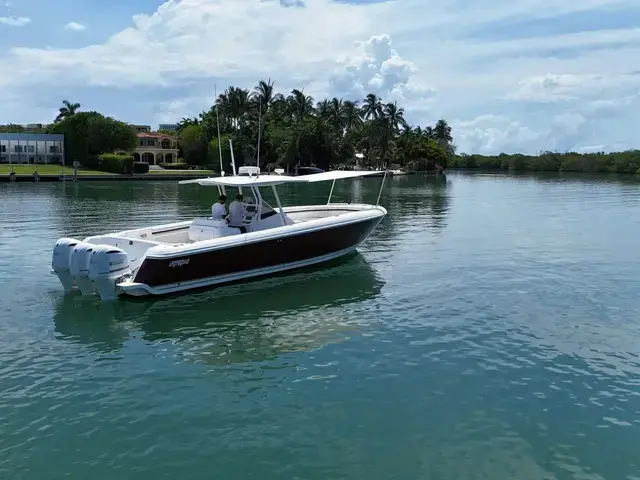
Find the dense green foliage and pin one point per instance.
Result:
(620, 162)
(120, 163)
(193, 144)
(14, 128)
(11, 128)
(297, 130)
(88, 134)
(174, 166)
(140, 167)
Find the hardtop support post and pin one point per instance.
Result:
(333, 184)
(275, 192)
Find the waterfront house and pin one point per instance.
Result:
(31, 148)
(155, 148)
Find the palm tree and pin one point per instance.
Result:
(279, 108)
(352, 116)
(442, 133)
(323, 109)
(395, 116)
(381, 132)
(428, 131)
(372, 107)
(300, 105)
(296, 130)
(67, 110)
(185, 122)
(234, 103)
(264, 94)
(337, 117)
(407, 142)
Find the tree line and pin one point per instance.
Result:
(297, 130)
(599, 162)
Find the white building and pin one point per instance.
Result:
(31, 148)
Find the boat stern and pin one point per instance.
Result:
(134, 289)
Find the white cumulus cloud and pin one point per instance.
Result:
(75, 26)
(558, 87)
(378, 68)
(501, 87)
(15, 21)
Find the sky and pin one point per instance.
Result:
(509, 76)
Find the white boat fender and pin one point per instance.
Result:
(61, 261)
(107, 267)
(79, 267)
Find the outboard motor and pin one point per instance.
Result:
(61, 260)
(107, 267)
(79, 267)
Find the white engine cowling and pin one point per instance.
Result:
(106, 268)
(79, 267)
(61, 261)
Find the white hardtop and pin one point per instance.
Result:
(268, 180)
(251, 171)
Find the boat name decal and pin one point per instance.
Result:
(179, 263)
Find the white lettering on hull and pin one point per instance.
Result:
(179, 263)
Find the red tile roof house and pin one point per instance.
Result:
(155, 148)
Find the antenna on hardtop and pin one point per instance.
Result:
(215, 92)
(233, 160)
(259, 132)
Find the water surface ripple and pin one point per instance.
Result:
(489, 328)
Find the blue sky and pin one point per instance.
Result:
(508, 76)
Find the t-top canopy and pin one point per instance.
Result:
(339, 175)
(268, 180)
(244, 181)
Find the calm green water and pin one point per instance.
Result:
(490, 328)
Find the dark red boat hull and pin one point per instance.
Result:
(253, 256)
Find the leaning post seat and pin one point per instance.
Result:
(207, 228)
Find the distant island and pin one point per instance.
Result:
(297, 130)
(616, 162)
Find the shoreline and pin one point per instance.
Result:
(508, 171)
(106, 177)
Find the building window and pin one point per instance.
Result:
(17, 148)
(53, 149)
(3, 159)
(3, 149)
(31, 148)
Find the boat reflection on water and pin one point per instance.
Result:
(240, 323)
(85, 321)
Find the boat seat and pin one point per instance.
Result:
(207, 229)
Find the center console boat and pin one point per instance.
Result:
(205, 252)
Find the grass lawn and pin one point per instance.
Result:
(180, 172)
(5, 169)
(23, 169)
